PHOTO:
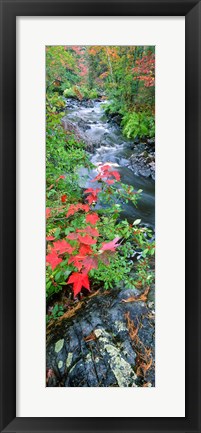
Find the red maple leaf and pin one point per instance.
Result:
(81, 260)
(92, 191)
(63, 247)
(93, 194)
(53, 260)
(73, 208)
(115, 174)
(92, 231)
(77, 261)
(110, 245)
(91, 198)
(90, 263)
(72, 236)
(85, 207)
(89, 230)
(88, 240)
(106, 172)
(50, 238)
(92, 218)
(85, 249)
(105, 167)
(110, 181)
(79, 280)
(63, 198)
(48, 212)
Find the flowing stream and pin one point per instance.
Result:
(112, 147)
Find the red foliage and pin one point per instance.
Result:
(85, 262)
(89, 230)
(106, 173)
(145, 70)
(81, 60)
(92, 231)
(110, 245)
(72, 236)
(93, 197)
(92, 218)
(115, 174)
(53, 260)
(77, 261)
(62, 247)
(85, 249)
(50, 238)
(110, 181)
(48, 212)
(76, 207)
(79, 280)
(89, 263)
(63, 198)
(85, 258)
(87, 240)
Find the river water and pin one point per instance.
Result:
(112, 147)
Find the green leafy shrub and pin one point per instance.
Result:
(64, 154)
(113, 107)
(80, 92)
(57, 311)
(69, 93)
(93, 94)
(138, 124)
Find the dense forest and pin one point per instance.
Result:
(100, 171)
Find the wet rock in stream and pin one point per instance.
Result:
(107, 343)
(79, 132)
(143, 164)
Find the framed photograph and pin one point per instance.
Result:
(100, 209)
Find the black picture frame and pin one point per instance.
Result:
(191, 9)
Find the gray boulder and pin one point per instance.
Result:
(107, 343)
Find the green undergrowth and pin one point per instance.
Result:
(134, 123)
(80, 92)
(138, 124)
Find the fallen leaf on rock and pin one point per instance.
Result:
(90, 337)
(142, 297)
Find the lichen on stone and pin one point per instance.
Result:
(122, 370)
(60, 364)
(88, 358)
(98, 332)
(59, 345)
(69, 359)
(120, 325)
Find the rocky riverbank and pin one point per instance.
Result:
(143, 164)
